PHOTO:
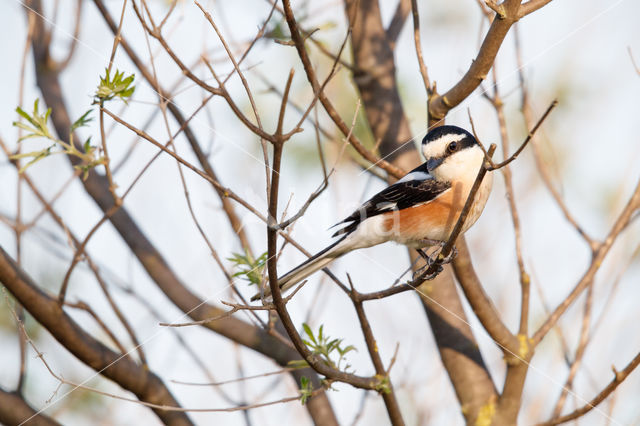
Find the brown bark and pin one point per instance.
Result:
(376, 82)
(159, 271)
(440, 105)
(14, 410)
(375, 79)
(123, 370)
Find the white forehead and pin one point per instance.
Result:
(437, 147)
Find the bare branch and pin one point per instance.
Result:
(580, 351)
(497, 8)
(389, 395)
(480, 302)
(397, 22)
(418, 45)
(122, 370)
(15, 410)
(509, 10)
(589, 275)
(527, 139)
(323, 185)
(244, 378)
(531, 6)
(313, 360)
(620, 376)
(537, 155)
(333, 113)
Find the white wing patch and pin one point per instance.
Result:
(386, 206)
(415, 176)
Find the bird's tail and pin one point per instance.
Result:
(308, 267)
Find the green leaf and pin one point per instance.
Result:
(25, 115)
(347, 350)
(82, 121)
(325, 347)
(87, 145)
(251, 269)
(118, 86)
(307, 330)
(39, 127)
(298, 364)
(37, 156)
(306, 389)
(28, 154)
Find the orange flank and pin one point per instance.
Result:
(435, 219)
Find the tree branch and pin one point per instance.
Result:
(389, 396)
(620, 376)
(509, 14)
(328, 106)
(116, 367)
(397, 22)
(480, 302)
(531, 6)
(154, 263)
(15, 410)
(596, 261)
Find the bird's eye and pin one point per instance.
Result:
(453, 146)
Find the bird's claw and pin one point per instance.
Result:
(435, 257)
(419, 274)
(443, 261)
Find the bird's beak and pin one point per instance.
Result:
(432, 163)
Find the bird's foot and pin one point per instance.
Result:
(436, 254)
(436, 259)
(421, 273)
(444, 260)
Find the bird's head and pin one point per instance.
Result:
(452, 153)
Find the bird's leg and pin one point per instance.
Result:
(431, 259)
(418, 274)
(423, 255)
(452, 254)
(428, 262)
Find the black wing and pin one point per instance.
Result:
(400, 195)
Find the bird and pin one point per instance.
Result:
(419, 210)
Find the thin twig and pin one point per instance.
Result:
(329, 108)
(323, 185)
(313, 360)
(619, 377)
(389, 395)
(537, 155)
(448, 246)
(418, 46)
(589, 275)
(531, 6)
(245, 84)
(525, 281)
(580, 351)
(527, 139)
(243, 378)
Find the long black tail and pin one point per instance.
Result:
(308, 267)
